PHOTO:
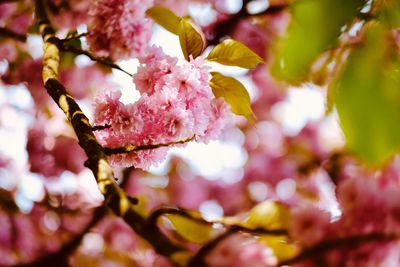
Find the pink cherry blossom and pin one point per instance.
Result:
(68, 14)
(50, 155)
(309, 225)
(119, 29)
(241, 251)
(176, 103)
(180, 7)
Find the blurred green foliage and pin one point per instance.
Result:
(315, 26)
(367, 95)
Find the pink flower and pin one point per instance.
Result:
(15, 16)
(50, 155)
(68, 14)
(32, 79)
(83, 81)
(178, 7)
(241, 251)
(309, 225)
(176, 103)
(119, 28)
(8, 51)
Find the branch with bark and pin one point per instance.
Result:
(102, 60)
(115, 198)
(225, 28)
(8, 33)
(60, 257)
(346, 242)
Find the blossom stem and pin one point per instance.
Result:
(132, 148)
(101, 60)
(115, 198)
(7, 33)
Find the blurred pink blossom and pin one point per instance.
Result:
(119, 29)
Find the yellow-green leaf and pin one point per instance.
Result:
(181, 257)
(389, 13)
(315, 27)
(268, 215)
(280, 245)
(234, 53)
(234, 93)
(367, 96)
(192, 230)
(165, 18)
(190, 40)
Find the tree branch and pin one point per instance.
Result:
(132, 148)
(60, 257)
(7, 33)
(226, 27)
(102, 60)
(73, 37)
(155, 215)
(115, 198)
(198, 260)
(8, 1)
(345, 242)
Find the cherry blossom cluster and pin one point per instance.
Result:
(50, 155)
(241, 251)
(176, 103)
(68, 14)
(81, 81)
(119, 29)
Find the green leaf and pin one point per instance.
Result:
(165, 18)
(390, 13)
(234, 93)
(192, 230)
(234, 53)
(269, 215)
(315, 27)
(367, 96)
(190, 40)
(74, 42)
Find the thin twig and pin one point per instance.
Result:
(100, 127)
(198, 260)
(155, 215)
(60, 257)
(7, 33)
(226, 27)
(345, 242)
(74, 37)
(105, 61)
(132, 148)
